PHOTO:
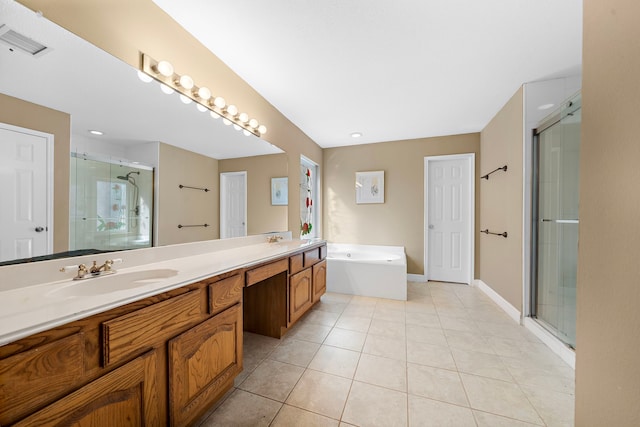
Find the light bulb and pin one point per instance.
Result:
(243, 117)
(232, 110)
(186, 82)
(236, 127)
(185, 99)
(204, 93)
(144, 77)
(253, 123)
(226, 121)
(219, 102)
(201, 108)
(246, 132)
(214, 115)
(166, 89)
(165, 68)
(262, 129)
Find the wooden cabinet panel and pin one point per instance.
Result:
(300, 294)
(295, 263)
(319, 280)
(225, 293)
(138, 331)
(323, 251)
(203, 362)
(259, 274)
(311, 257)
(126, 396)
(31, 379)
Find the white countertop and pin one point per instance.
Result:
(36, 307)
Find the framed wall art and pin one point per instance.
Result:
(280, 191)
(370, 187)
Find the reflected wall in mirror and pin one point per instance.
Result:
(74, 87)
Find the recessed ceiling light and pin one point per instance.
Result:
(96, 132)
(356, 134)
(545, 106)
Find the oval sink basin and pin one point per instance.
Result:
(113, 283)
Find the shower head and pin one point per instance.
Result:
(127, 176)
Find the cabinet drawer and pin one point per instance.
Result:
(39, 375)
(225, 293)
(311, 257)
(258, 274)
(295, 263)
(136, 332)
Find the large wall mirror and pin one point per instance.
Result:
(71, 88)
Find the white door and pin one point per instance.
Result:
(449, 218)
(25, 215)
(233, 204)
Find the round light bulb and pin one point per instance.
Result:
(165, 68)
(262, 129)
(253, 123)
(243, 117)
(186, 82)
(144, 77)
(236, 127)
(219, 102)
(166, 89)
(226, 121)
(232, 110)
(246, 132)
(204, 93)
(214, 115)
(201, 108)
(185, 99)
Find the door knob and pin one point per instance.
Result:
(431, 227)
(39, 229)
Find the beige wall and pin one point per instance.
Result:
(186, 206)
(262, 217)
(500, 259)
(21, 113)
(608, 342)
(125, 28)
(400, 220)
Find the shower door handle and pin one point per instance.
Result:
(561, 221)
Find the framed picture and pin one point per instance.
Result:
(280, 191)
(370, 187)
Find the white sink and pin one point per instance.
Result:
(112, 283)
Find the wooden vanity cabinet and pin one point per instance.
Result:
(319, 280)
(300, 294)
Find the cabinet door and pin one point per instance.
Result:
(300, 294)
(319, 280)
(203, 363)
(124, 397)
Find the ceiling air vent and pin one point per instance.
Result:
(21, 42)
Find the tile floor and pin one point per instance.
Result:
(446, 357)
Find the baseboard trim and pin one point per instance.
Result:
(559, 348)
(416, 278)
(505, 305)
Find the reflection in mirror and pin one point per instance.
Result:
(71, 88)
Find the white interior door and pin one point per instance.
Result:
(25, 214)
(233, 204)
(449, 218)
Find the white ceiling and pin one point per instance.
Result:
(391, 69)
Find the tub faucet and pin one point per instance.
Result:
(274, 238)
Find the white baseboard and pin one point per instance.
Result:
(416, 278)
(565, 353)
(511, 311)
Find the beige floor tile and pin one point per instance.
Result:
(290, 416)
(344, 338)
(324, 394)
(243, 409)
(429, 320)
(389, 314)
(383, 372)
(431, 355)
(295, 352)
(485, 419)
(420, 305)
(353, 323)
(431, 413)
(419, 333)
(392, 304)
(330, 306)
(468, 341)
(387, 329)
(336, 297)
(437, 384)
(542, 378)
(393, 348)
(320, 317)
(509, 330)
(499, 397)
(482, 364)
(458, 324)
(336, 361)
(369, 405)
(273, 379)
(451, 310)
(359, 310)
(249, 363)
(309, 332)
(259, 346)
(556, 409)
(364, 301)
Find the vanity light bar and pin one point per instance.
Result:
(163, 72)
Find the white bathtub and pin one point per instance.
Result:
(373, 271)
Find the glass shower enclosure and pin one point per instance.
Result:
(555, 222)
(111, 204)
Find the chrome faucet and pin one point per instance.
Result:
(274, 238)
